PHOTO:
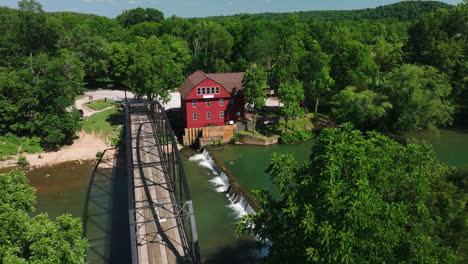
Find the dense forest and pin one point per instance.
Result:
(386, 72)
(403, 11)
(393, 68)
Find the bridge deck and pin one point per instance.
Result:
(158, 241)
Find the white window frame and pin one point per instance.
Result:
(208, 115)
(208, 103)
(221, 102)
(217, 90)
(194, 103)
(195, 116)
(198, 91)
(221, 114)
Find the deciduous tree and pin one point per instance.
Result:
(420, 97)
(254, 83)
(291, 95)
(26, 239)
(362, 198)
(365, 109)
(315, 72)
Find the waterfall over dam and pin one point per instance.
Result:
(222, 183)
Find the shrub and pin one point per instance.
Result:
(118, 136)
(9, 137)
(31, 145)
(235, 138)
(9, 144)
(22, 161)
(99, 154)
(8, 148)
(295, 136)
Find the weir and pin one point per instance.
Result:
(240, 201)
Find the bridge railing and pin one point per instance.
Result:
(178, 180)
(131, 194)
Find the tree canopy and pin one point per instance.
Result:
(34, 239)
(145, 52)
(361, 198)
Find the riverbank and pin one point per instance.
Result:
(83, 148)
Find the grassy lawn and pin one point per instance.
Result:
(256, 134)
(300, 123)
(11, 145)
(100, 104)
(105, 123)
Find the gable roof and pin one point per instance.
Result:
(230, 81)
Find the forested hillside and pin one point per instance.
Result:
(351, 69)
(403, 11)
(363, 198)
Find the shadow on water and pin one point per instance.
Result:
(236, 254)
(105, 217)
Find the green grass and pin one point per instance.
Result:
(105, 124)
(256, 134)
(11, 144)
(100, 104)
(300, 123)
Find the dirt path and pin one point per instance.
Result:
(84, 148)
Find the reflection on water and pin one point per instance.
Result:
(248, 163)
(64, 188)
(450, 145)
(102, 205)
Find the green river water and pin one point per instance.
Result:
(103, 204)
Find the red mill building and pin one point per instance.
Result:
(212, 98)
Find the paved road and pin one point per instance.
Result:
(117, 95)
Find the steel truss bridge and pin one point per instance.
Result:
(162, 221)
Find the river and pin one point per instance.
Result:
(64, 189)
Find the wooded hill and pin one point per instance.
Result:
(403, 11)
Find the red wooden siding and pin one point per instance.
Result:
(233, 107)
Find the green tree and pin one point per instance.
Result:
(119, 60)
(26, 239)
(254, 83)
(387, 55)
(92, 49)
(39, 100)
(315, 73)
(181, 49)
(439, 39)
(212, 47)
(286, 63)
(132, 17)
(365, 109)
(362, 198)
(353, 65)
(36, 32)
(420, 97)
(30, 6)
(153, 69)
(146, 29)
(291, 95)
(154, 15)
